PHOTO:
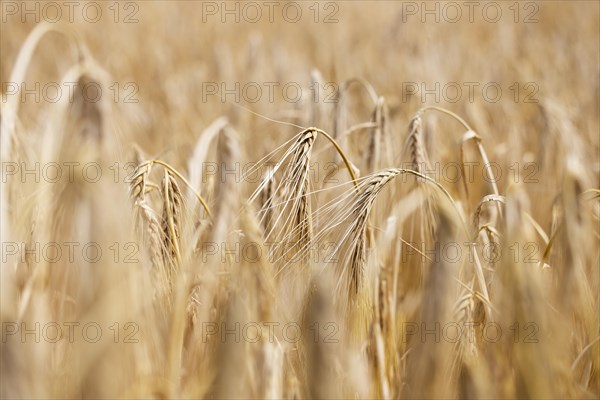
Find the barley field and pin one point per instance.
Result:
(345, 200)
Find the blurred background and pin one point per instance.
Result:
(524, 75)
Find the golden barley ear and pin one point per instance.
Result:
(171, 219)
(358, 231)
(147, 222)
(378, 152)
(287, 208)
(415, 144)
(415, 151)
